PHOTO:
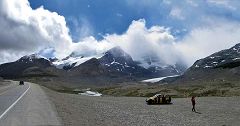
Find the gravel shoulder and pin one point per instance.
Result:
(76, 110)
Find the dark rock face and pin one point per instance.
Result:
(91, 67)
(118, 61)
(69, 67)
(53, 59)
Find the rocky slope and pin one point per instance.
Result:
(220, 66)
(32, 65)
(228, 58)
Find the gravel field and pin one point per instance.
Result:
(76, 110)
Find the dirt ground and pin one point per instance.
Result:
(77, 110)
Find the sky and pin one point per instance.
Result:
(174, 30)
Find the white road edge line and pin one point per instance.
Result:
(14, 103)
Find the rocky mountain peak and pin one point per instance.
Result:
(118, 52)
(219, 59)
(32, 57)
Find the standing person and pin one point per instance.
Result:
(193, 103)
(163, 99)
(169, 99)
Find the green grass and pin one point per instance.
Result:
(204, 89)
(223, 89)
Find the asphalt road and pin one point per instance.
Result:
(27, 105)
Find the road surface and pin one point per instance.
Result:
(26, 105)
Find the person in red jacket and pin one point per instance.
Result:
(193, 103)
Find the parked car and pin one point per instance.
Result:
(21, 82)
(159, 99)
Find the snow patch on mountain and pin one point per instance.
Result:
(219, 59)
(91, 93)
(32, 57)
(236, 58)
(154, 80)
(152, 64)
(76, 61)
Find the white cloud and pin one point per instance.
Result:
(168, 2)
(222, 3)
(140, 41)
(200, 42)
(90, 46)
(82, 27)
(24, 30)
(119, 14)
(192, 3)
(203, 41)
(176, 13)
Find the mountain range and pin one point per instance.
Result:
(219, 67)
(114, 64)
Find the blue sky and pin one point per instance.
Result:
(99, 17)
(172, 29)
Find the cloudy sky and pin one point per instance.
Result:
(172, 29)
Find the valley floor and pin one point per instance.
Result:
(76, 110)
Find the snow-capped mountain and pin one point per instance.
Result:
(30, 65)
(72, 61)
(219, 67)
(155, 65)
(118, 61)
(32, 57)
(114, 57)
(225, 58)
(114, 62)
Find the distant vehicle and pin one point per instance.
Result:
(21, 82)
(159, 99)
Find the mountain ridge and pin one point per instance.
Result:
(114, 64)
(221, 66)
